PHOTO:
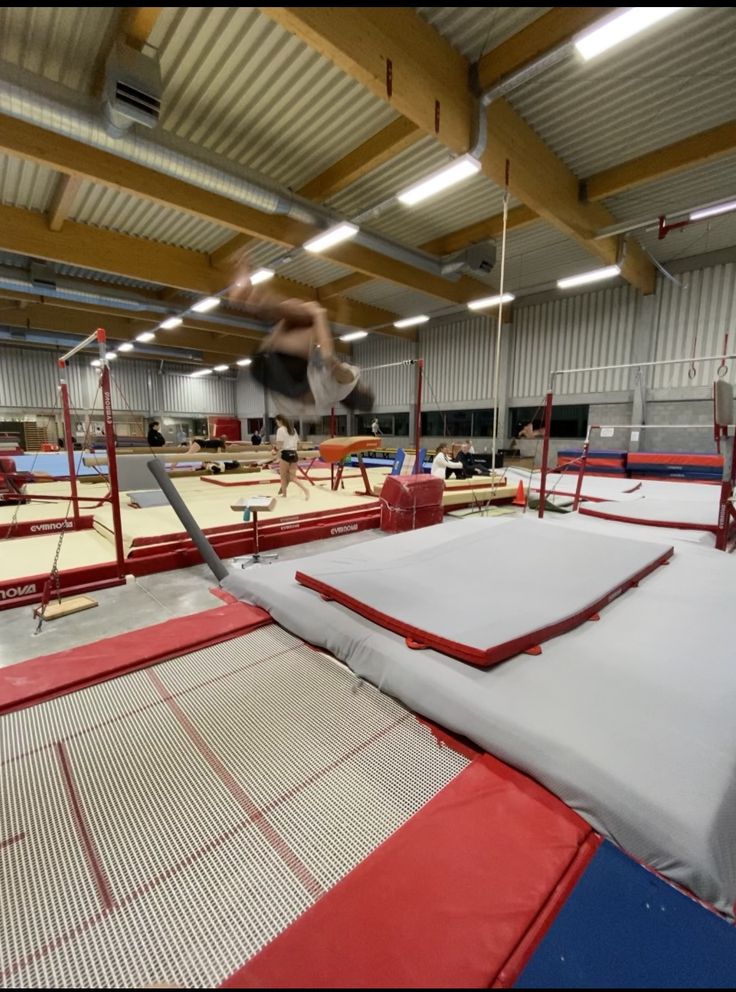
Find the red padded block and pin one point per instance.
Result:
(445, 902)
(404, 492)
(676, 459)
(395, 521)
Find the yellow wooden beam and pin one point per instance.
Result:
(379, 148)
(137, 23)
(557, 27)
(430, 87)
(67, 188)
(491, 227)
(339, 286)
(680, 155)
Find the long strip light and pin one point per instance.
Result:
(244, 362)
(170, 323)
(620, 28)
(199, 372)
(146, 336)
(261, 275)
(490, 301)
(221, 368)
(721, 208)
(334, 236)
(411, 321)
(207, 304)
(355, 336)
(126, 346)
(449, 175)
(596, 275)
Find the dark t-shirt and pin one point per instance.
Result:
(256, 439)
(209, 444)
(155, 439)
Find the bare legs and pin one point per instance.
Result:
(287, 473)
(292, 478)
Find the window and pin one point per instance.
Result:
(391, 424)
(323, 425)
(568, 420)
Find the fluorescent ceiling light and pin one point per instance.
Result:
(95, 363)
(207, 304)
(595, 276)
(201, 372)
(221, 368)
(261, 275)
(355, 336)
(127, 346)
(335, 235)
(146, 336)
(722, 208)
(449, 175)
(490, 301)
(411, 321)
(111, 354)
(244, 361)
(170, 323)
(620, 28)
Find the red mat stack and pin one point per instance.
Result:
(409, 502)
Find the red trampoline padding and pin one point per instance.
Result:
(444, 903)
(51, 675)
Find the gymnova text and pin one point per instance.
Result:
(14, 592)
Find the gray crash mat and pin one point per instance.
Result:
(487, 599)
(629, 720)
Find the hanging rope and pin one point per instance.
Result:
(54, 577)
(497, 368)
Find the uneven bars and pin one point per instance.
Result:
(643, 365)
(391, 365)
(83, 344)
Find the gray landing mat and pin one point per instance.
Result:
(629, 720)
(487, 598)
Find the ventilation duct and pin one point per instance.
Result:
(480, 257)
(132, 90)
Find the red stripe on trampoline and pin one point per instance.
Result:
(269, 832)
(420, 912)
(149, 706)
(9, 841)
(83, 832)
(192, 858)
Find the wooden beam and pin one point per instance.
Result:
(557, 27)
(45, 317)
(75, 158)
(379, 148)
(331, 289)
(491, 227)
(430, 87)
(685, 154)
(67, 188)
(25, 233)
(137, 23)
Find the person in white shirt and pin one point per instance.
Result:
(376, 428)
(442, 463)
(287, 446)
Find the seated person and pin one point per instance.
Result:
(442, 466)
(256, 437)
(155, 438)
(466, 456)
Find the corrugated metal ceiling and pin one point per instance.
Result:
(59, 43)
(656, 89)
(104, 207)
(238, 84)
(476, 30)
(25, 184)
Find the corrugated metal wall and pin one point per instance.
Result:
(394, 388)
(249, 397)
(590, 329)
(459, 358)
(205, 395)
(695, 319)
(28, 380)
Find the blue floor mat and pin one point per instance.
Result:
(623, 927)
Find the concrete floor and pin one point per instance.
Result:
(140, 603)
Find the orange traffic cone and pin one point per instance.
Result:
(520, 498)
